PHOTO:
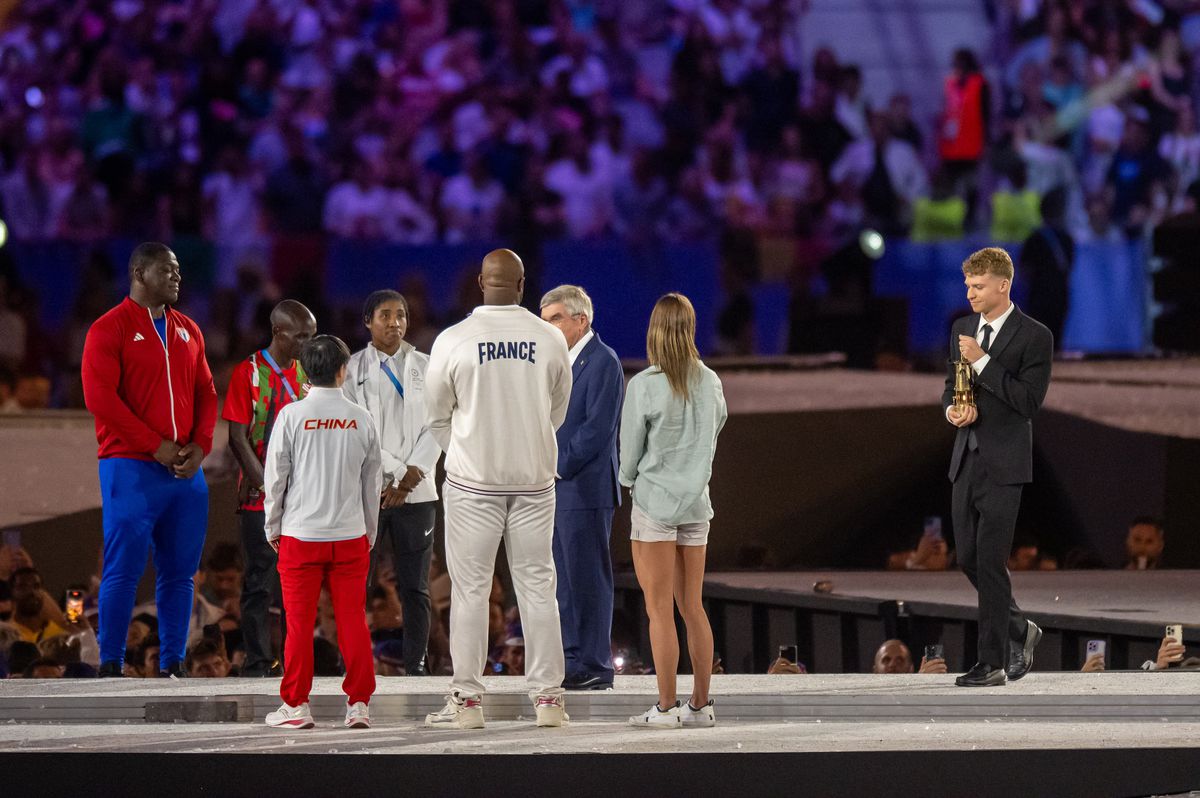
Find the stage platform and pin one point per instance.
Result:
(1111, 734)
(755, 612)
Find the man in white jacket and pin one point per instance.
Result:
(388, 379)
(497, 389)
(322, 486)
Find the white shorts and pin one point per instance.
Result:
(647, 530)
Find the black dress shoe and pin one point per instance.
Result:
(982, 675)
(1020, 657)
(586, 682)
(419, 670)
(111, 670)
(173, 671)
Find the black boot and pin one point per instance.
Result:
(111, 670)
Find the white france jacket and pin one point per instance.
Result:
(497, 390)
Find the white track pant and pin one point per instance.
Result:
(475, 525)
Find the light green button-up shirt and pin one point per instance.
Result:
(667, 444)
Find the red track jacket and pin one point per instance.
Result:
(142, 392)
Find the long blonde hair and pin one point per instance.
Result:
(671, 341)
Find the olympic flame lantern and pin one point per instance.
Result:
(964, 385)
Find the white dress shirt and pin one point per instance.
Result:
(573, 352)
(979, 365)
(982, 362)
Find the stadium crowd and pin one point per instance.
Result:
(247, 133)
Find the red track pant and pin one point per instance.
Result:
(305, 566)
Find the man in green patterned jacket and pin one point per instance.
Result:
(260, 386)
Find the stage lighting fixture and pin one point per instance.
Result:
(871, 243)
(3, 233)
(34, 97)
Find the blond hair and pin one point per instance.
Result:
(671, 341)
(989, 260)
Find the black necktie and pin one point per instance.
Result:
(987, 337)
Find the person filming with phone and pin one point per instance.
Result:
(894, 657)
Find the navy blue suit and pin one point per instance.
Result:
(587, 493)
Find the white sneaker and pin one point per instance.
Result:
(551, 712)
(289, 717)
(461, 712)
(358, 716)
(701, 718)
(655, 718)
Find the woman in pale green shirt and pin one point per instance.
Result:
(673, 412)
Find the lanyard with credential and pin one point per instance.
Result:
(391, 376)
(279, 373)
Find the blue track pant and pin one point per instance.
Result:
(147, 509)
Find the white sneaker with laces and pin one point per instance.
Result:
(357, 716)
(551, 711)
(461, 712)
(289, 717)
(655, 718)
(701, 718)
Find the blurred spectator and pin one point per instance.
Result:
(1046, 260)
(513, 656)
(1024, 557)
(357, 208)
(1180, 149)
(1143, 545)
(6, 604)
(21, 654)
(12, 560)
(8, 392)
(232, 204)
(33, 391)
(34, 613)
(472, 203)
(942, 215)
(586, 189)
(1094, 663)
(220, 584)
(1170, 652)
(893, 656)
(900, 121)
(930, 554)
(43, 668)
(1016, 209)
(965, 124)
(771, 91)
(207, 660)
(732, 30)
(31, 204)
(887, 174)
(1136, 172)
(783, 666)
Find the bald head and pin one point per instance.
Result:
(289, 310)
(893, 657)
(292, 326)
(502, 278)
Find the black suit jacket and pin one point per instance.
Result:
(1009, 391)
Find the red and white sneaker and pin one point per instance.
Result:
(461, 712)
(357, 716)
(551, 712)
(289, 717)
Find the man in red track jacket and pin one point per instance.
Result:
(146, 381)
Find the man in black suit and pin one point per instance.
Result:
(1010, 355)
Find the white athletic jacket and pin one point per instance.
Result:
(416, 446)
(497, 389)
(323, 473)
